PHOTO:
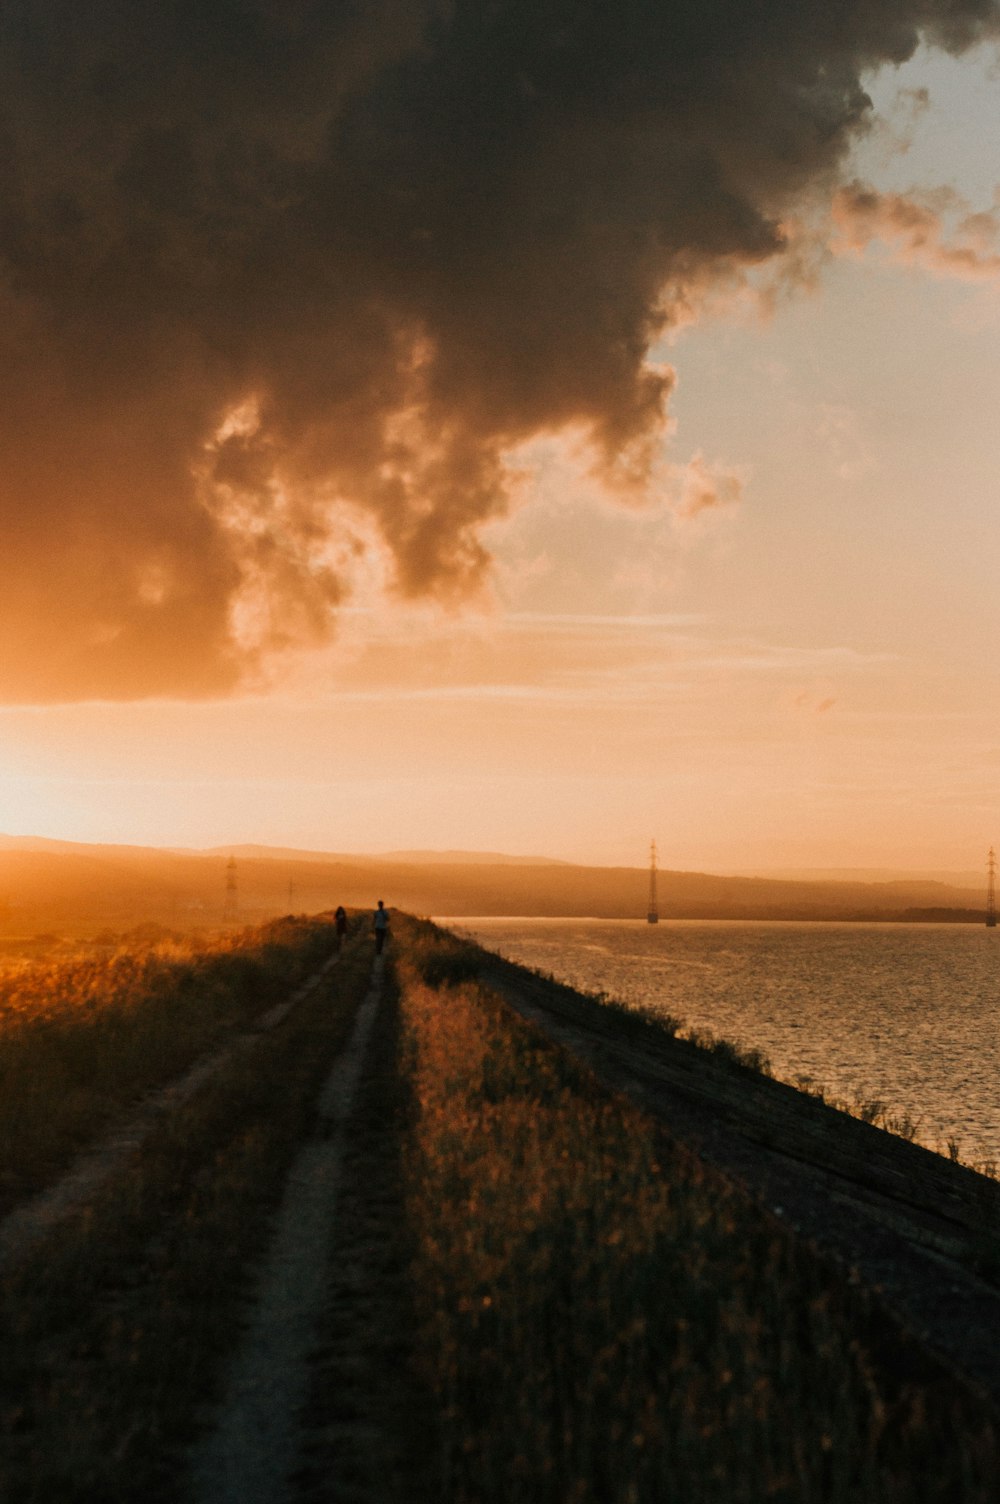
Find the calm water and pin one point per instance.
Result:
(908, 1014)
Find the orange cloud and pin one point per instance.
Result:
(934, 229)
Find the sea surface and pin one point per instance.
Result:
(907, 1015)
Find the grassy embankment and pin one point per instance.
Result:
(872, 1110)
(601, 1318)
(116, 1329)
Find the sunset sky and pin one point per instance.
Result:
(530, 428)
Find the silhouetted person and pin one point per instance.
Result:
(380, 921)
(340, 923)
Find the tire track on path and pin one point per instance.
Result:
(254, 1448)
(24, 1227)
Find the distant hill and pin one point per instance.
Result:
(69, 848)
(265, 853)
(72, 887)
(953, 879)
(471, 858)
(448, 858)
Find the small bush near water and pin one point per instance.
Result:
(602, 1320)
(449, 964)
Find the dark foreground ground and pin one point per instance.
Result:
(430, 1347)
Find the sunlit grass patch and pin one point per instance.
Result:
(604, 1319)
(82, 1038)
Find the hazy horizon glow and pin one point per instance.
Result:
(735, 591)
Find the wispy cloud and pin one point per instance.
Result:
(578, 658)
(936, 229)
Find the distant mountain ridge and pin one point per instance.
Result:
(425, 857)
(964, 878)
(76, 887)
(867, 876)
(472, 859)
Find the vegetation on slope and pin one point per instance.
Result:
(603, 1319)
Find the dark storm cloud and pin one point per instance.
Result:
(269, 264)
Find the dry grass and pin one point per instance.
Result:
(82, 1038)
(116, 1330)
(602, 1319)
(593, 1316)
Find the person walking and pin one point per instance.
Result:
(380, 922)
(340, 923)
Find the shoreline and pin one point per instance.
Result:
(916, 1229)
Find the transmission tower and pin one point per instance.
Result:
(991, 890)
(231, 910)
(652, 913)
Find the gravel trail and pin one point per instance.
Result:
(255, 1446)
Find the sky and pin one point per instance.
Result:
(518, 428)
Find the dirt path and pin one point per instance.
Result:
(256, 1443)
(915, 1226)
(23, 1228)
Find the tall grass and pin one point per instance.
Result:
(82, 1038)
(605, 1321)
(115, 1332)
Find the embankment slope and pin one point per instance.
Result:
(918, 1229)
